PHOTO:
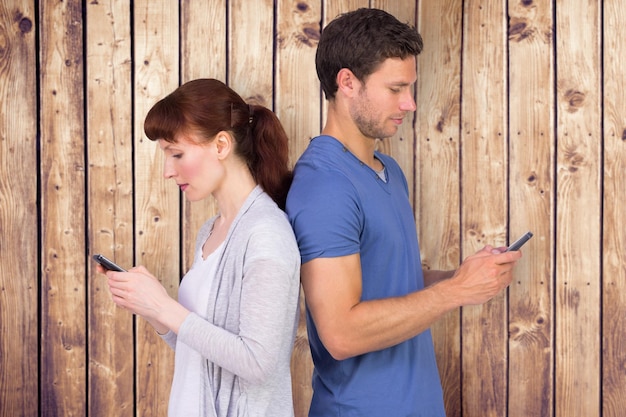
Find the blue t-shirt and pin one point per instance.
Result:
(339, 206)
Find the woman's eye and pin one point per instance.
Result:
(177, 156)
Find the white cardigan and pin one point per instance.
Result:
(243, 342)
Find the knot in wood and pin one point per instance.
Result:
(575, 100)
(25, 25)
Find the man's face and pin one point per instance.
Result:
(385, 98)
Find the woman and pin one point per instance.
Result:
(234, 324)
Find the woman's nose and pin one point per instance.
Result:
(168, 170)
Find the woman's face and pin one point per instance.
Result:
(195, 167)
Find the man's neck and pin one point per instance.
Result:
(346, 132)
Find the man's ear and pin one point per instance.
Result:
(224, 144)
(347, 82)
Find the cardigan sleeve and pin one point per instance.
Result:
(169, 338)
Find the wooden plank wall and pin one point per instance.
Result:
(521, 125)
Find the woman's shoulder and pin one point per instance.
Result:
(264, 212)
(263, 229)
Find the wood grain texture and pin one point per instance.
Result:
(532, 147)
(437, 204)
(19, 262)
(297, 90)
(63, 300)
(157, 214)
(484, 202)
(110, 203)
(301, 366)
(614, 233)
(251, 44)
(578, 221)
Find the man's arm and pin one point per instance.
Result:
(348, 326)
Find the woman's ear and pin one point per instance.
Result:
(223, 144)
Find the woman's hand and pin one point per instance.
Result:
(137, 291)
(141, 293)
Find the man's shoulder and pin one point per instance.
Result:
(321, 153)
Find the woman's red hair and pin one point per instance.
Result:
(208, 106)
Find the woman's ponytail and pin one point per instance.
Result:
(267, 152)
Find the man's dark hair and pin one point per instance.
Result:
(360, 41)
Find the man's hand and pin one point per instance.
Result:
(481, 276)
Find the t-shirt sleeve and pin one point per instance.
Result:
(325, 214)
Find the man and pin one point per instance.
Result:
(369, 304)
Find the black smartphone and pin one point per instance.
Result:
(107, 263)
(519, 242)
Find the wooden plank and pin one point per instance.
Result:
(250, 71)
(578, 218)
(301, 366)
(203, 55)
(110, 203)
(63, 300)
(437, 178)
(297, 95)
(18, 208)
(401, 146)
(157, 238)
(614, 233)
(483, 199)
(531, 197)
(298, 107)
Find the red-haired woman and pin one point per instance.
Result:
(234, 323)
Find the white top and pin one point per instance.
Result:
(192, 294)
